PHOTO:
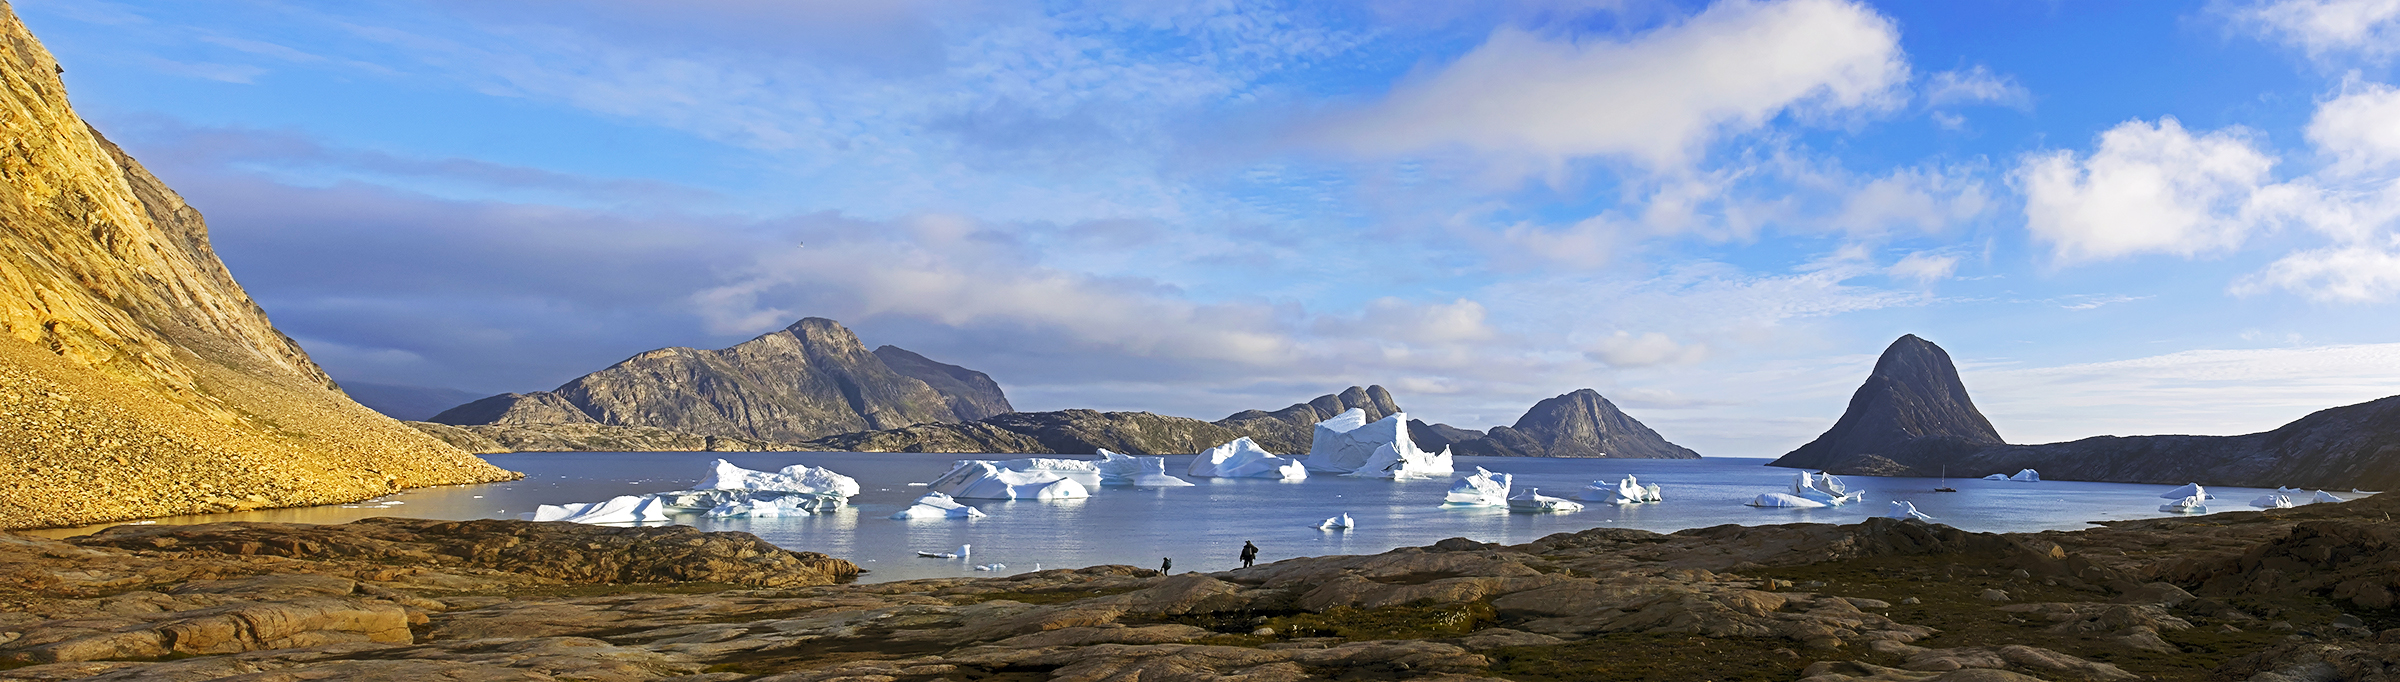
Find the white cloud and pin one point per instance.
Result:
(1925, 267)
(1923, 199)
(2148, 188)
(2096, 301)
(1624, 349)
(2368, 28)
(1975, 86)
(2343, 274)
(2361, 127)
(1657, 97)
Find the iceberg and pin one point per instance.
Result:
(2323, 496)
(1628, 491)
(1533, 501)
(1139, 472)
(767, 508)
(797, 478)
(2189, 505)
(1242, 458)
(1083, 472)
(1348, 445)
(938, 506)
(2027, 476)
(2272, 501)
(1823, 488)
(990, 567)
(619, 509)
(1996, 477)
(1902, 509)
(1480, 489)
(1784, 500)
(1342, 522)
(976, 479)
(2188, 490)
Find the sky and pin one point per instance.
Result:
(2119, 218)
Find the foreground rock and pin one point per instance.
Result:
(137, 378)
(2297, 592)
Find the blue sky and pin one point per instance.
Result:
(2120, 218)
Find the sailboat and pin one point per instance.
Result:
(1945, 481)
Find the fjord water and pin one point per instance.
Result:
(1203, 527)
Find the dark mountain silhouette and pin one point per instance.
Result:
(1578, 424)
(1913, 393)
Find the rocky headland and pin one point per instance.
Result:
(1578, 424)
(2283, 594)
(1913, 418)
(137, 378)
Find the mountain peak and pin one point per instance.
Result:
(1578, 423)
(1913, 393)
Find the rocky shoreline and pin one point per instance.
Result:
(2277, 595)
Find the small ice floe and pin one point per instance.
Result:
(2190, 505)
(1787, 500)
(2272, 501)
(1902, 509)
(1139, 472)
(1342, 522)
(478, 497)
(1996, 477)
(990, 567)
(2323, 496)
(2188, 490)
(1241, 458)
(1484, 488)
(963, 552)
(918, 485)
(1627, 491)
(2355, 491)
(938, 506)
(619, 509)
(1532, 501)
(988, 480)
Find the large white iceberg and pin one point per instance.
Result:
(2188, 490)
(1342, 522)
(1903, 509)
(1784, 500)
(619, 509)
(1484, 488)
(976, 479)
(1242, 458)
(1348, 445)
(1083, 472)
(1823, 488)
(2323, 496)
(2189, 505)
(1533, 501)
(1627, 491)
(797, 478)
(1140, 472)
(938, 506)
(2272, 501)
(2027, 476)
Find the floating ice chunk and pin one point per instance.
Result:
(1627, 491)
(767, 508)
(2323, 496)
(2272, 501)
(797, 478)
(1242, 458)
(1784, 500)
(1903, 509)
(938, 506)
(963, 552)
(1480, 489)
(1342, 522)
(2189, 505)
(976, 479)
(2356, 491)
(785, 503)
(1348, 444)
(1996, 477)
(2188, 490)
(1533, 501)
(2027, 476)
(1139, 472)
(619, 509)
(1083, 472)
(990, 567)
(1823, 488)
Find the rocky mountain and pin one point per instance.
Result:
(1578, 424)
(1081, 432)
(971, 394)
(1913, 419)
(810, 380)
(405, 403)
(1290, 429)
(1434, 437)
(1913, 393)
(491, 438)
(137, 378)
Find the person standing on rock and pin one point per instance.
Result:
(1249, 553)
(1165, 565)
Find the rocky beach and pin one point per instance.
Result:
(2287, 594)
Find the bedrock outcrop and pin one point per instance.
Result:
(137, 378)
(2228, 596)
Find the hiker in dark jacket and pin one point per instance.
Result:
(1166, 564)
(1249, 553)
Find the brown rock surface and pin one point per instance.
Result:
(136, 377)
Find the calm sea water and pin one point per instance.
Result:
(1203, 527)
